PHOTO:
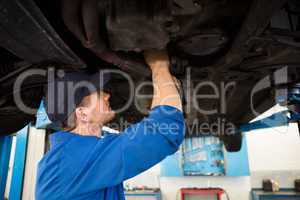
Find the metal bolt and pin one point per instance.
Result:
(197, 3)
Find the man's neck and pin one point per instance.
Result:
(88, 130)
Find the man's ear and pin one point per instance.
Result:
(81, 114)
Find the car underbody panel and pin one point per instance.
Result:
(26, 33)
(227, 42)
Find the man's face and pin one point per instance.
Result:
(98, 108)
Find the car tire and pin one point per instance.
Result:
(12, 120)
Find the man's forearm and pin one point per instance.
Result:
(165, 91)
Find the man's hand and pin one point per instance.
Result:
(157, 59)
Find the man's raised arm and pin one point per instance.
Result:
(165, 91)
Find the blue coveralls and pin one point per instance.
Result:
(91, 168)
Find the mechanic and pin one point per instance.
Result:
(85, 162)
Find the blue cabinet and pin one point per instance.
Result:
(203, 156)
(142, 195)
(206, 156)
(286, 194)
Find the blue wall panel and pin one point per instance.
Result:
(171, 166)
(16, 186)
(237, 163)
(5, 149)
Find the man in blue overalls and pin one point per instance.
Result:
(84, 162)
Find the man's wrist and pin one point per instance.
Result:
(160, 70)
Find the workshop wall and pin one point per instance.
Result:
(274, 153)
(279, 148)
(274, 148)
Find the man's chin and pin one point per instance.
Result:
(111, 117)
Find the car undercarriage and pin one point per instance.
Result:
(232, 44)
